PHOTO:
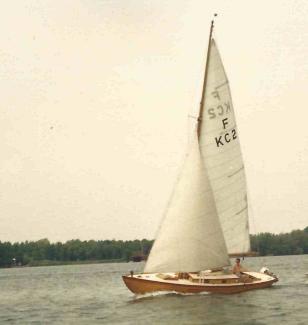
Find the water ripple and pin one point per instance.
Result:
(95, 294)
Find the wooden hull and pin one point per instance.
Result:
(142, 286)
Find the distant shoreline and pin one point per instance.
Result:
(87, 262)
(61, 263)
(75, 251)
(45, 253)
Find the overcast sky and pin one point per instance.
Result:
(94, 105)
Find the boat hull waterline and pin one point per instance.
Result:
(138, 284)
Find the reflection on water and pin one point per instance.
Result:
(83, 294)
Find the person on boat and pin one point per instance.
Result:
(238, 268)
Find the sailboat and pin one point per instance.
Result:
(206, 219)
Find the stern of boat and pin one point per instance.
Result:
(266, 271)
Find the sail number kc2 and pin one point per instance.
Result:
(219, 111)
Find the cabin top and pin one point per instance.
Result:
(212, 277)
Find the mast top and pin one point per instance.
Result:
(205, 78)
(212, 23)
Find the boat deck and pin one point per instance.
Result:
(209, 279)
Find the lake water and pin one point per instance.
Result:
(95, 294)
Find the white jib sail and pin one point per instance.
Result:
(220, 149)
(190, 237)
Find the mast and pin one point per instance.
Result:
(205, 78)
(216, 124)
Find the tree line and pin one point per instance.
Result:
(43, 252)
(292, 243)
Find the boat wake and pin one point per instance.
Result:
(166, 293)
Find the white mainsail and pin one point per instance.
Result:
(220, 149)
(190, 237)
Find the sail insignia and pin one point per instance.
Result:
(221, 152)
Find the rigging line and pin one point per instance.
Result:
(221, 85)
(227, 208)
(237, 171)
(225, 162)
(205, 77)
(228, 201)
(219, 197)
(239, 212)
(252, 219)
(226, 175)
(224, 187)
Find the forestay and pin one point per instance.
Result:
(220, 149)
(190, 237)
